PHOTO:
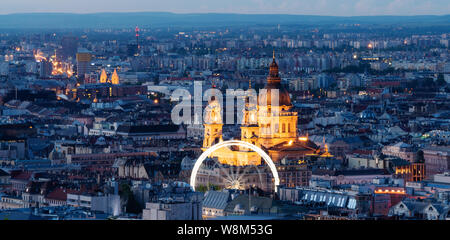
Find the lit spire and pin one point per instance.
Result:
(115, 78)
(103, 77)
(273, 71)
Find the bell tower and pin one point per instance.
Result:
(115, 78)
(213, 124)
(103, 76)
(249, 127)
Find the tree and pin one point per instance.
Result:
(201, 188)
(205, 188)
(132, 205)
(420, 157)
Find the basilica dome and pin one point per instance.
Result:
(274, 83)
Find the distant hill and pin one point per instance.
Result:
(163, 19)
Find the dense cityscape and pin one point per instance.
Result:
(361, 130)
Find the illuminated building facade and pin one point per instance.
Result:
(386, 197)
(113, 80)
(413, 172)
(271, 126)
(293, 175)
(83, 63)
(108, 90)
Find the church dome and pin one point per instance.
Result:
(284, 99)
(274, 83)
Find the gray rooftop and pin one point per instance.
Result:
(216, 199)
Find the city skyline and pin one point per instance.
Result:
(144, 115)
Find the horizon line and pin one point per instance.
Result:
(204, 13)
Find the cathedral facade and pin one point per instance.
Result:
(113, 80)
(270, 125)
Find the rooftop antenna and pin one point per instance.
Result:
(137, 36)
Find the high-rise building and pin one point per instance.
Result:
(45, 68)
(84, 58)
(69, 46)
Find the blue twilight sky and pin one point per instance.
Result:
(307, 7)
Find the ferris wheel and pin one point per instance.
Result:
(209, 173)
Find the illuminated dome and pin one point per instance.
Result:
(274, 82)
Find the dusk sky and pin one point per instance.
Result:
(306, 7)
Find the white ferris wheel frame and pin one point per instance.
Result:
(213, 148)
